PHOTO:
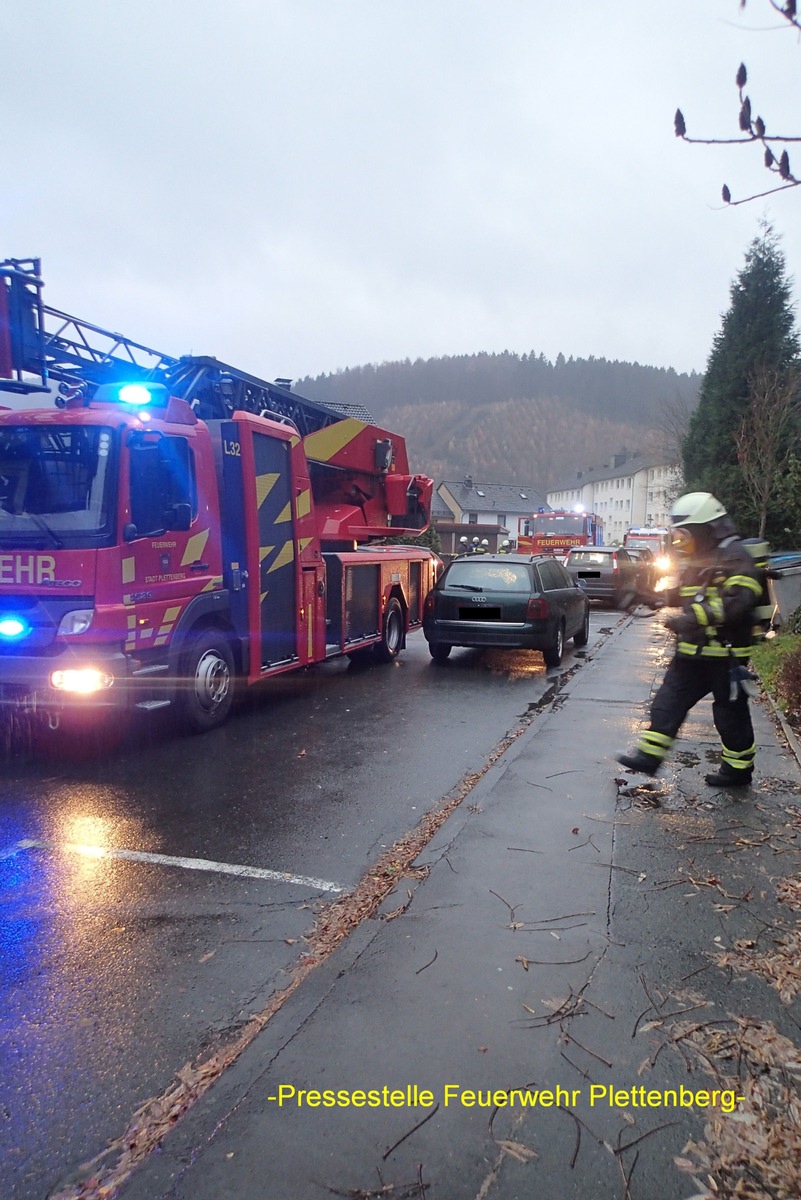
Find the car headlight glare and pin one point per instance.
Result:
(83, 680)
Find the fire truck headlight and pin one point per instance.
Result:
(84, 680)
(12, 627)
(77, 621)
(663, 562)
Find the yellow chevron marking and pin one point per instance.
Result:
(285, 514)
(303, 503)
(131, 621)
(303, 543)
(294, 441)
(128, 570)
(264, 485)
(285, 555)
(159, 641)
(264, 551)
(325, 443)
(214, 582)
(171, 614)
(145, 633)
(195, 547)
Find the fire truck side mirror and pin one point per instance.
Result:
(129, 532)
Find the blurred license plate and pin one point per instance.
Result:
(589, 574)
(479, 614)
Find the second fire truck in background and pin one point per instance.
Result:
(560, 530)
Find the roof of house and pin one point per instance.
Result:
(611, 470)
(439, 509)
(473, 496)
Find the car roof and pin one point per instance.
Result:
(517, 558)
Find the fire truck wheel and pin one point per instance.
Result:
(553, 654)
(583, 636)
(388, 648)
(208, 688)
(439, 651)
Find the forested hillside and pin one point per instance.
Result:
(507, 418)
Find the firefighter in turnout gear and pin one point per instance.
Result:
(719, 589)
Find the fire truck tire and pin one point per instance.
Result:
(439, 651)
(207, 691)
(388, 649)
(553, 653)
(582, 636)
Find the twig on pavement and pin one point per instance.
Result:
(414, 1129)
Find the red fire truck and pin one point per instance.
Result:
(655, 538)
(559, 530)
(173, 529)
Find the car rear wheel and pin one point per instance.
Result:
(582, 636)
(439, 651)
(553, 654)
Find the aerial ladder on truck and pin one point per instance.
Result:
(171, 528)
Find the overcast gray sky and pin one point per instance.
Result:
(296, 186)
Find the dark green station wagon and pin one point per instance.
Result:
(508, 601)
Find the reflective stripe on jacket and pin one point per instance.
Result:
(720, 591)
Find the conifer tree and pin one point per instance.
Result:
(757, 335)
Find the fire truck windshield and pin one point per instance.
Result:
(56, 484)
(554, 524)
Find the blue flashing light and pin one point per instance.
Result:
(13, 628)
(135, 393)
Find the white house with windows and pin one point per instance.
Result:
(631, 489)
(494, 510)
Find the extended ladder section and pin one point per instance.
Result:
(359, 472)
(39, 344)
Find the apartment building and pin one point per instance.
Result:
(631, 489)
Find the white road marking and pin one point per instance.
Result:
(10, 851)
(169, 860)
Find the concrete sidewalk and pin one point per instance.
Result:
(534, 991)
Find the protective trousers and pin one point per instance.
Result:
(688, 680)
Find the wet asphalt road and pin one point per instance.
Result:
(115, 971)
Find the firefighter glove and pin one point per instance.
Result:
(683, 624)
(741, 679)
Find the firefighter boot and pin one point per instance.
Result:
(726, 777)
(644, 764)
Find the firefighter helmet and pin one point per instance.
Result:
(696, 508)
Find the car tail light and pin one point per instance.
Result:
(537, 608)
(614, 564)
(428, 607)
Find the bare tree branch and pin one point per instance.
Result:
(754, 128)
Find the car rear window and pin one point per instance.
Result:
(488, 576)
(589, 556)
